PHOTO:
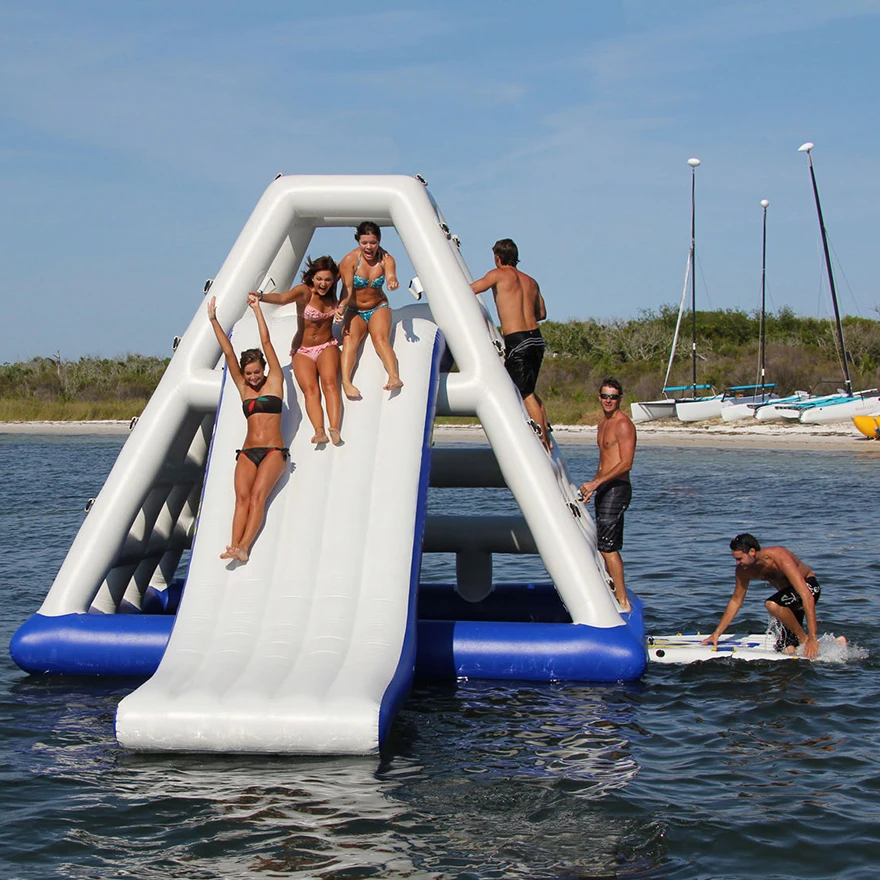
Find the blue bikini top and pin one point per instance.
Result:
(360, 283)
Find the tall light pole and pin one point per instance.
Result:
(808, 149)
(694, 163)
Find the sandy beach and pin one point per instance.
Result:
(844, 436)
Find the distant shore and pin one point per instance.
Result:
(843, 436)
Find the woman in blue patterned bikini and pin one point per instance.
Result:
(263, 457)
(365, 271)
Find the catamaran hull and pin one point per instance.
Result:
(733, 412)
(698, 410)
(651, 410)
(832, 413)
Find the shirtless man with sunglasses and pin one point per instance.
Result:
(611, 486)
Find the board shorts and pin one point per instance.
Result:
(788, 598)
(611, 499)
(523, 354)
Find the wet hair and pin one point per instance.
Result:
(506, 251)
(368, 228)
(745, 542)
(321, 264)
(251, 355)
(611, 382)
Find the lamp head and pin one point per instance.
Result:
(693, 162)
(805, 148)
(765, 203)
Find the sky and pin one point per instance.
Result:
(137, 137)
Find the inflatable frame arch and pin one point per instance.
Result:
(144, 518)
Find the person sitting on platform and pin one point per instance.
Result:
(262, 459)
(314, 350)
(364, 307)
(520, 306)
(797, 593)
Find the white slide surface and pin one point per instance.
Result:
(309, 647)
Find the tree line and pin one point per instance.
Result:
(801, 354)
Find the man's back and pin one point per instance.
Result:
(518, 300)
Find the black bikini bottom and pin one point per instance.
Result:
(257, 453)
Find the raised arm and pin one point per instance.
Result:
(295, 294)
(489, 280)
(265, 339)
(225, 344)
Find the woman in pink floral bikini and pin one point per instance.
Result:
(314, 350)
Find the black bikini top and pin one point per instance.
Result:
(267, 403)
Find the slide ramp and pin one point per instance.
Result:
(309, 648)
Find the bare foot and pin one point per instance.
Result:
(320, 437)
(240, 554)
(392, 384)
(841, 640)
(624, 605)
(350, 391)
(335, 436)
(228, 553)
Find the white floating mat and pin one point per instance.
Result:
(687, 648)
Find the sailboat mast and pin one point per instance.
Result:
(694, 163)
(764, 204)
(807, 148)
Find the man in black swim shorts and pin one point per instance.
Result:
(520, 306)
(797, 592)
(616, 437)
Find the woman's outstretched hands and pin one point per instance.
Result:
(254, 300)
(212, 308)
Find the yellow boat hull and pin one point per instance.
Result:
(868, 425)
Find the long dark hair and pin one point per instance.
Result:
(321, 264)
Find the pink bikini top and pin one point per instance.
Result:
(310, 313)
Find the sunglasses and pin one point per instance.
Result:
(609, 396)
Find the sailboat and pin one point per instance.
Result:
(664, 408)
(741, 402)
(686, 409)
(840, 407)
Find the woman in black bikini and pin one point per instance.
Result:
(365, 309)
(262, 459)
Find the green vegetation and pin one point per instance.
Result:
(801, 354)
(92, 388)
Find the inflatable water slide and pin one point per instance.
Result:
(311, 647)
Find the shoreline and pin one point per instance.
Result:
(841, 436)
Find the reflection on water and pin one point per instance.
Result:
(479, 780)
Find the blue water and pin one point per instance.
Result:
(717, 770)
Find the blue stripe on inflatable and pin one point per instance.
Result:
(529, 651)
(132, 645)
(399, 686)
(92, 644)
